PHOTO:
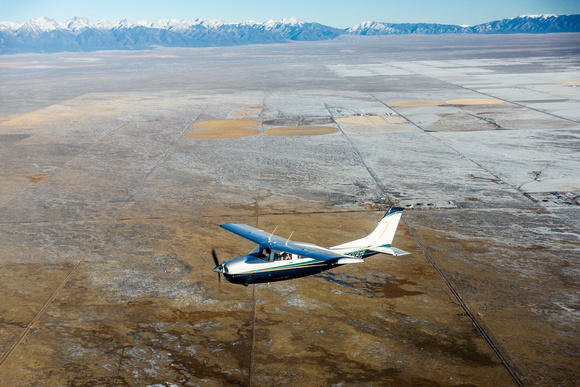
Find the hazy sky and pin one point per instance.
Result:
(335, 13)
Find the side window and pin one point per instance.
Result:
(280, 256)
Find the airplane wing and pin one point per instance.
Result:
(275, 242)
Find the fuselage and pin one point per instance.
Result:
(257, 267)
(250, 269)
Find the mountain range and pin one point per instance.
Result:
(80, 34)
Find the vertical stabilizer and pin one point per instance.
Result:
(380, 239)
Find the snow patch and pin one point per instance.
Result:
(544, 16)
(552, 185)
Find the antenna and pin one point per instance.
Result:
(270, 237)
(288, 240)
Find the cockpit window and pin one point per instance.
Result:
(280, 256)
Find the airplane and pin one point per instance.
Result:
(278, 259)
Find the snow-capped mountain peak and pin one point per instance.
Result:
(42, 24)
(369, 28)
(79, 23)
(172, 24)
(543, 16)
(288, 21)
(213, 23)
(292, 21)
(10, 26)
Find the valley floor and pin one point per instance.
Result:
(117, 169)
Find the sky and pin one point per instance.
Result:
(334, 13)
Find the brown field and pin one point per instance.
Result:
(115, 178)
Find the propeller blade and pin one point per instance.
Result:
(217, 263)
(214, 255)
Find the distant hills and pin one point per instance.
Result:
(80, 34)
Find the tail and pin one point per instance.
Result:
(379, 241)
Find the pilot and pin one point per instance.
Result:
(287, 257)
(266, 252)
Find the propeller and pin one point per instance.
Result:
(217, 267)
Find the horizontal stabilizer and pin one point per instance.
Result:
(388, 250)
(343, 261)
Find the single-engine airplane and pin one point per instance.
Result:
(277, 259)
